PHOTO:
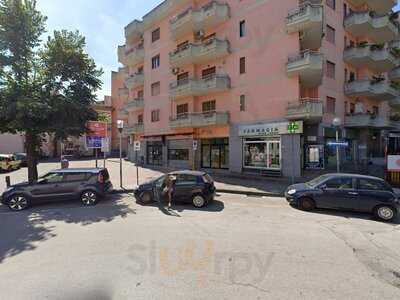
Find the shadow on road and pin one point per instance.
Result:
(23, 231)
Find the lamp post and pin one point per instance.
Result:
(337, 122)
(120, 126)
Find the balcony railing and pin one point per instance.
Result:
(194, 20)
(133, 129)
(123, 92)
(202, 53)
(134, 31)
(380, 6)
(373, 57)
(374, 89)
(305, 109)
(197, 120)
(130, 57)
(308, 66)
(199, 87)
(134, 104)
(394, 75)
(134, 81)
(366, 120)
(380, 29)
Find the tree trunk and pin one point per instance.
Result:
(55, 147)
(31, 156)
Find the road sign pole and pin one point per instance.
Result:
(137, 168)
(337, 151)
(95, 150)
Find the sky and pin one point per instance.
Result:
(102, 22)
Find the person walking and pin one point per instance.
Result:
(169, 188)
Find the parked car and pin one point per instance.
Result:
(88, 185)
(192, 187)
(346, 192)
(9, 162)
(22, 158)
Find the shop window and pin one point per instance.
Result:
(155, 153)
(208, 106)
(155, 35)
(178, 154)
(262, 154)
(215, 153)
(155, 89)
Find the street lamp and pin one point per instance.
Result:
(337, 122)
(120, 126)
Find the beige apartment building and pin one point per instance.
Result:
(253, 86)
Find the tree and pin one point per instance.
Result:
(44, 89)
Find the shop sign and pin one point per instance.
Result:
(344, 144)
(271, 129)
(393, 163)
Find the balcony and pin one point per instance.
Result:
(380, 6)
(133, 129)
(122, 114)
(365, 120)
(394, 75)
(194, 20)
(198, 120)
(199, 53)
(134, 81)
(200, 87)
(134, 104)
(307, 19)
(378, 90)
(374, 58)
(123, 92)
(130, 57)
(162, 11)
(308, 66)
(380, 29)
(134, 31)
(306, 109)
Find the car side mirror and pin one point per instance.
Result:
(323, 187)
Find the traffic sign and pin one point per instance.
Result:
(136, 145)
(105, 145)
(339, 144)
(93, 142)
(97, 129)
(195, 145)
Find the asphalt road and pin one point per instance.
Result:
(238, 248)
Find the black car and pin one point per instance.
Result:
(88, 185)
(22, 158)
(346, 192)
(192, 187)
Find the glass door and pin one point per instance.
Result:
(215, 157)
(274, 155)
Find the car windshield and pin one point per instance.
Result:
(316, 181)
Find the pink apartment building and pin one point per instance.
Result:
(253, 85)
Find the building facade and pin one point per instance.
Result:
(254, 86)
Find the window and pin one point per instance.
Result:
(155, 115)
(140, 94)
(331, 3)
(155, 89)
(352, 77)
(242, 103)
(75, 177)
(155, 62)
(344, 10)
(330, 105)
(155, 35)
(262, 154)
(182, 111)
(340, 183)
(178, 154)
(375, 110)
(352, 108)
(242, 28)
(186, 178)
(208, 106)
(242, 65)
(208, 73)
(53, 177)
(330, 69)
(183, 78)
(140, 119)
(372, 185)
(330, 34)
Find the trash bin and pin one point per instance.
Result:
(64, 163)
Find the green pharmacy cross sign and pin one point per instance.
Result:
(293, 127)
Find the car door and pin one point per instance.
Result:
(72, 183)
(48, 187)
(372, 193)
(184, 186)
(338, 193)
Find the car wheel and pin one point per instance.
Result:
(18, 203)
(198, 201)
(306, 204)
(146, 198)
(89, 198)
(385, 213)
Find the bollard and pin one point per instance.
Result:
(8, 181)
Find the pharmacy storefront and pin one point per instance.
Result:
(268, 147)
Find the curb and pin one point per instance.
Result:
(225, 191)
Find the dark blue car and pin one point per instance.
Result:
(346, 192)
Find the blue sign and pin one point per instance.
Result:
(338, 144)
(93, 142)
